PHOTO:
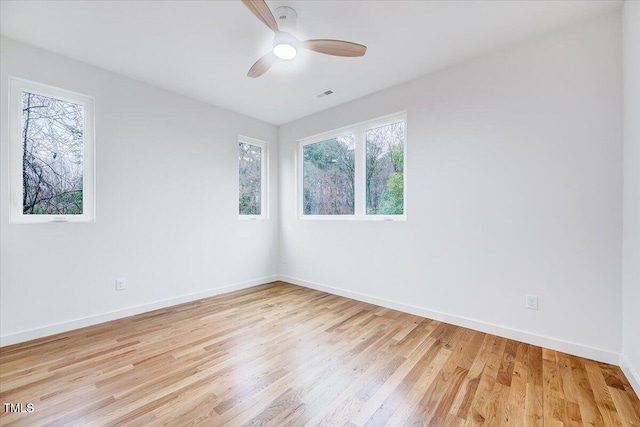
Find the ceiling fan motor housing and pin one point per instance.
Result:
(286, 19)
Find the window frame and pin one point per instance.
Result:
(346, 131)
(15, 167)
(358, 130)
(264, 177)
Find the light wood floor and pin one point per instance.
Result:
(280, 355)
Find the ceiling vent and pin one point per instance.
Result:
(324, 93)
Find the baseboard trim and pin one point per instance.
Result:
(131, 311)
(527, 337)
(478, 325)
(630, 373)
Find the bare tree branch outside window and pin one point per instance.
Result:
(52, 155)
(328, 181)
(250, 171)
(385, 170)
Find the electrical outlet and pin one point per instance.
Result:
(532, 302)
(121, 284)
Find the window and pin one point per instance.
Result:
(252, 172)
(385, 169)
(328, 169)
(357, 172)
(51, 154)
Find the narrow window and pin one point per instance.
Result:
(385, 169)
(328, 177)
(252, 177)
(51, 154)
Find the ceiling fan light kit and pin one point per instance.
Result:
(285, 51)
(285, 45)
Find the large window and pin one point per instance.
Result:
(252, 173)
(51, 154)
(357, 172)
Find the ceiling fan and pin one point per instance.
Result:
(285, 45)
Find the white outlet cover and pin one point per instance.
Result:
(532, 302)
(121, 284)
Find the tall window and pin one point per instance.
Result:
(357, 172)
(328, 169)
(385, 169)
(252, 173)
(51, 154)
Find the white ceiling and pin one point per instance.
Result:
(203, 49)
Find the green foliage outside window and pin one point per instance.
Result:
(329, 170)
(385, 170)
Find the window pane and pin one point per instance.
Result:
(250, 161)
(328, 177)
(385, 170)
(52, 156)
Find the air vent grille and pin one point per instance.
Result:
(324, 93)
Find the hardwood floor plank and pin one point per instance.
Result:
(588, 408)
(620, 398)
(407, 402)
(437, 401)
(283, 355)
(344, 381)
(393, 382)
(554, 408)
(534, 404)
(601, 393)
(518, 390)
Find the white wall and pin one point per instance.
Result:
(167, 219)
(514, 187)
(631, 210)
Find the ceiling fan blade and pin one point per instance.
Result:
(335, 47)
(262, 65)
(260, 9)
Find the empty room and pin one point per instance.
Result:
(320, 213)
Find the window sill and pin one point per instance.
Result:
(368, 218)
(49, 219)
(251, 217)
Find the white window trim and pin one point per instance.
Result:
(264, 177)
(358, 131)
(16, 87)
